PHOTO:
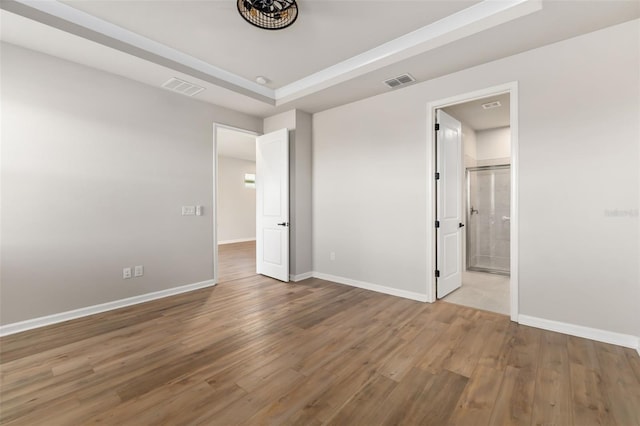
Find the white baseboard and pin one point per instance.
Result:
(626, 340)
(241, 240)
(17, 327)
(373, 287)
(300, 277)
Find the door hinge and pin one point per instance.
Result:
(437, 126)
(437, 176)
(437, 224)
(437, 274)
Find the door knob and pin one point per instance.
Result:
(283, 224)
(461, 225)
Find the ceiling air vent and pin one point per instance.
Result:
(400, 80)
(181, 86)
(489, 105)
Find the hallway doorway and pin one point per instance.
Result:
(235, 200)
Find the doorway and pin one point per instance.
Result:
(235, 195)
(482, 180)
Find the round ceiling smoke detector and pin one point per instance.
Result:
(261, 80)
(269, 14)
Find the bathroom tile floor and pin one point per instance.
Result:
(481, 290)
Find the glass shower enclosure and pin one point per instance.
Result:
(488, 221)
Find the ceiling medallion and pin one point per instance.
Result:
(269, 14)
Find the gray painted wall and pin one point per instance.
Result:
(95, 169)
(579, 161)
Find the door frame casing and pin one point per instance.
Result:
(214, 213)
(512, 89)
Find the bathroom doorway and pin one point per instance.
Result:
(486, 202)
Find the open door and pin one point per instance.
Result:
(272, 205)
(449, 204)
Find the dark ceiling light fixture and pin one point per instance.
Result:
(269, 14)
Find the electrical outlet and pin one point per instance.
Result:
(332, 255)
(138, 271)
(188, 210)
(126, 273)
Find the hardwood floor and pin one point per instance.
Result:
(236, 260)
(258, 351)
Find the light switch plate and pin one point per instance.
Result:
(138, 271)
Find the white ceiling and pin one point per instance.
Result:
(325, 33)
(473, 115)
(336, 52)
(236, 144)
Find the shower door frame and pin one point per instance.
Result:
(468, 217)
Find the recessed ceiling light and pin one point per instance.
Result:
(261, 80)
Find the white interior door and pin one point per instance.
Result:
(272, 205)
(449, 204)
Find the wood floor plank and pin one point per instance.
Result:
(552, 401)
(619, 384)
(634, 361)
(423, 398)
(497, 347)
(479, 397)
(257, 351)
(582, 352)
(590, 406)
(361, 409)
(350, 378)
(404, 357)
(514, 402)
(294, 399)
(465, 355)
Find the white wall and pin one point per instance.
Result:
(578, 137)
(493, 143)
(95, 169)
(469, 145)
(236, 202)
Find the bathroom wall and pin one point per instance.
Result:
(493, 146)
(469, 145)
